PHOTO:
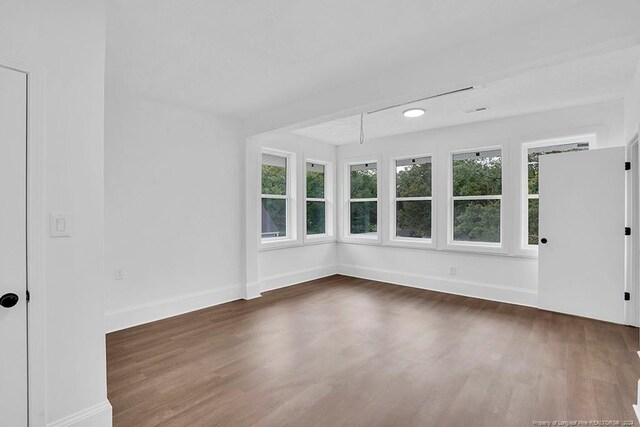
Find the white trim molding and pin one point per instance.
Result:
(491, 292)
(93, 416)
(139, 314)
(296, 277)
(252, 291)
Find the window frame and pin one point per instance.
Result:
(329, 227)
(496, 247)
(289, 197)
(590, 138)
(347, 200)
(393, 239)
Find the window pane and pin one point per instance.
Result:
(533, 155)
(315, 181)
(413, 219)
(315, 218)
(413, 177)
(477, 173)
(533, 221)
(274, 217)
(274, 175)
(364, 217)
(364, 181)
(476, 220)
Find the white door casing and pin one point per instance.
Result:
(13, 265)
(582, 216)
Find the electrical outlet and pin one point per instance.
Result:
(452, 271)
(119, 274)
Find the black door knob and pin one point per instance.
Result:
(9, 300)
(543, 240)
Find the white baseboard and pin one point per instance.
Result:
(526, 297)
(252, 291)
(636, 409)
(94, 416)
(283, 280)
(139, 314)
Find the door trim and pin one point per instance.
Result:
(36, 321)
(632, 267)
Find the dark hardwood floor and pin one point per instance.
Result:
(345, 351)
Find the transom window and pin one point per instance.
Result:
(316, 199)
(413, 195)
(477, 196)
(533, 178)
(363, 199)
(275, 196)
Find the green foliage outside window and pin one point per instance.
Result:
(476, 220)
(315, 218)
(364, 185)
(315, 185)
(274, 180)
(481, 176)
(477, 175)
(363, 217)
(413, 179)
(316, 210)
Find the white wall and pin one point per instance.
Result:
(299, 260)
(632, 107)
(65, 41)
(174, 194)
(510, 277)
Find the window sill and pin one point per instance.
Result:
(362, 240)
(463, 249)
(278, 244)
(477, 247)
(411, 243)
(317, 239)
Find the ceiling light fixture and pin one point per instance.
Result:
(413, 112)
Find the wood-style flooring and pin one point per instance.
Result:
(342, 351)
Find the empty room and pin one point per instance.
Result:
(319, 213)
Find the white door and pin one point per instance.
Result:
(582, 205)
(13, 265)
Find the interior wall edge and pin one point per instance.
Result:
(139, 314)
(498, 293)
(96, 415)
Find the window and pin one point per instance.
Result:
(316, 199)
(363, 199)
(476, 196)
(275, 196)
(532, 156)
(413, 198)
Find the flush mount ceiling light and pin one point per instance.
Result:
(413, 112)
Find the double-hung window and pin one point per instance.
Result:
(316, 199)
(476, 197)
(533, 153)
(363, 199)
(275, 196)
(413, 193)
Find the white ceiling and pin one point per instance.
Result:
(581, 81)
(240, 57)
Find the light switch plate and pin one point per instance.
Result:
(60, 224)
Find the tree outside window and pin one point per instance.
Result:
(477, 194)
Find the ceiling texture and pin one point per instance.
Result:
(277, 63)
